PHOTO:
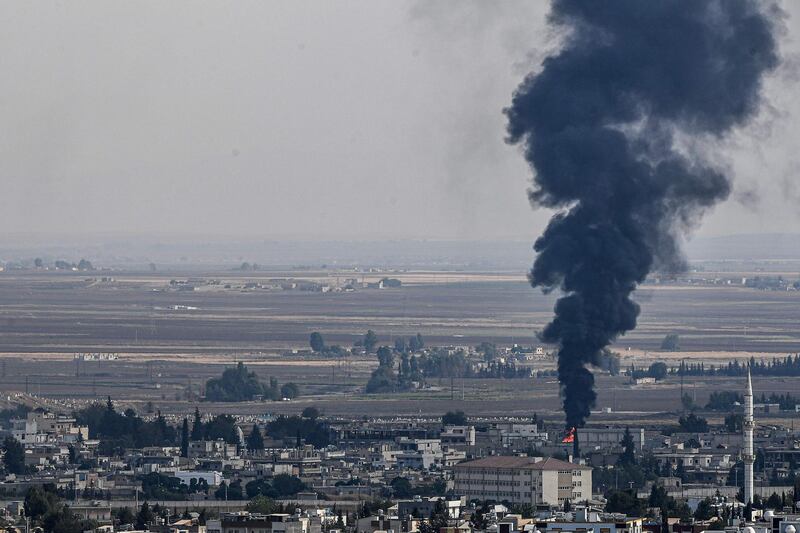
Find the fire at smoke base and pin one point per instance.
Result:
(599, 127)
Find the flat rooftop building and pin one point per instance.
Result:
(523, 480)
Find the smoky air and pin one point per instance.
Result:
(609, 126)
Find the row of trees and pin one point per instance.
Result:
(369, 342)
(124, 430)
(305, 428)
(439, 364)
(120, 431)
(657, 370)
(219, 427)
(724, 400)
(45, 508)
(625, 501)
(239, 385)
(781, 367)
(403, 489)
(157, 486)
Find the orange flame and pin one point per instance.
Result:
(569, 437)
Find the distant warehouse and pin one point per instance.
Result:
(523, 480)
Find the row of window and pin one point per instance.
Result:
(497, 494)
(500, 484)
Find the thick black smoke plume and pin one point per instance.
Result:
(609, 126)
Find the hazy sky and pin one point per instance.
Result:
(322, 119)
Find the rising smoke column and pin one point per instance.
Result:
(610, 128)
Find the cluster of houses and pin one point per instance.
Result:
(477, 476)
(283, 284)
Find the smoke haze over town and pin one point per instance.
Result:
(368, 120)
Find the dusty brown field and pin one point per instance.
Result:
(166, 353)
(65, 313)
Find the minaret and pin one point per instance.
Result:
(747, 445)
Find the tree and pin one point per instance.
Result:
(286, 485)
(185, 438)
(724, 400)
(232, 491)
(478, 519)
(14, 457)
(413, 344)
(144, 517)
(290, 390)
(125, 516)
(197, 426)
(401, 488)
(385, 356)
(692, 423)
(370, 341)
(157, 486)
(381, 380)
(260, 487)
(316, 342)
(311, 430)
(236, 385)
(624, 501)
(40, 502)
(262, 505)
(658, 370)
(38, 262)
(310, 412)
(734, 422)
(687, 402)
(221, 427)
(774, 502)
(454, 418)
(628, 456)
(658, 497)
(671, 343)
(254, 440)
(400, 345)
(705, 510)
(63, 520)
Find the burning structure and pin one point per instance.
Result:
(612, 127)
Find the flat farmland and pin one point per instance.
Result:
(67, 313)
(171, 341)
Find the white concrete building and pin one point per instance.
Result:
(524, 480)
